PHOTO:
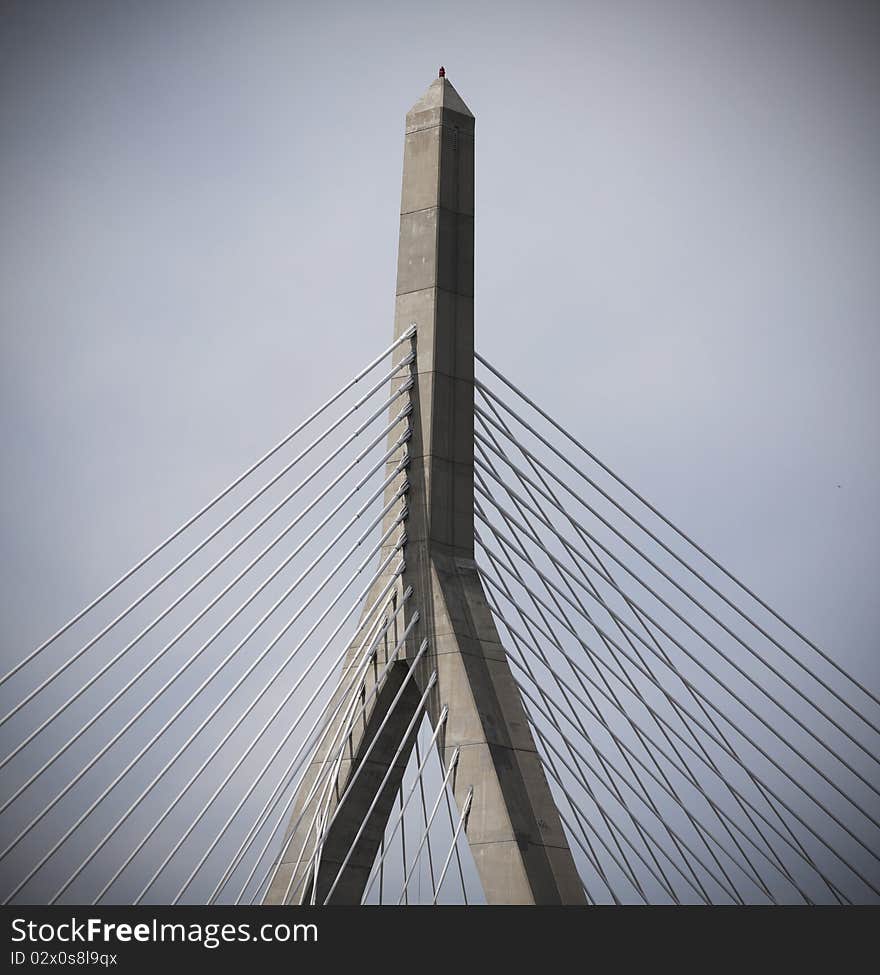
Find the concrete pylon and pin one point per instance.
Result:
(513, 827)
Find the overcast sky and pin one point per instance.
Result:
(677, 252)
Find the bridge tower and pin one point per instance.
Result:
(512, 826)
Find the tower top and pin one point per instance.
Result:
(441, 94)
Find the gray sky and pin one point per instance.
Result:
(677, 243)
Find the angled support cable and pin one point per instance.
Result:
(327, 820)
(659, 846)
(645, 792)
(678, 763)
(758, 748)
(511, 569)
(405, 336)
(609, 780)
(361, 764)
(464, 893)
(325, 720)
(658, 781)
(131, 721)
(858, 713)
(536, 510)
(331, 671)
(403, 855)
(193, 552)
(214, 711)
(329, 769)
(731, 754)
(590, 855)
(453, 763)
(581, 558)
(829, 660)
(532, 536)
(583, 821)
(805, 697)
(321, 820)
(544, 520)
(337, 744)
(377, 869)
(462, 820)
(253, 664)
(733, 694)
(440, 721)
(403, 414)
(607, 766)
(681, 769)
(417, 716)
